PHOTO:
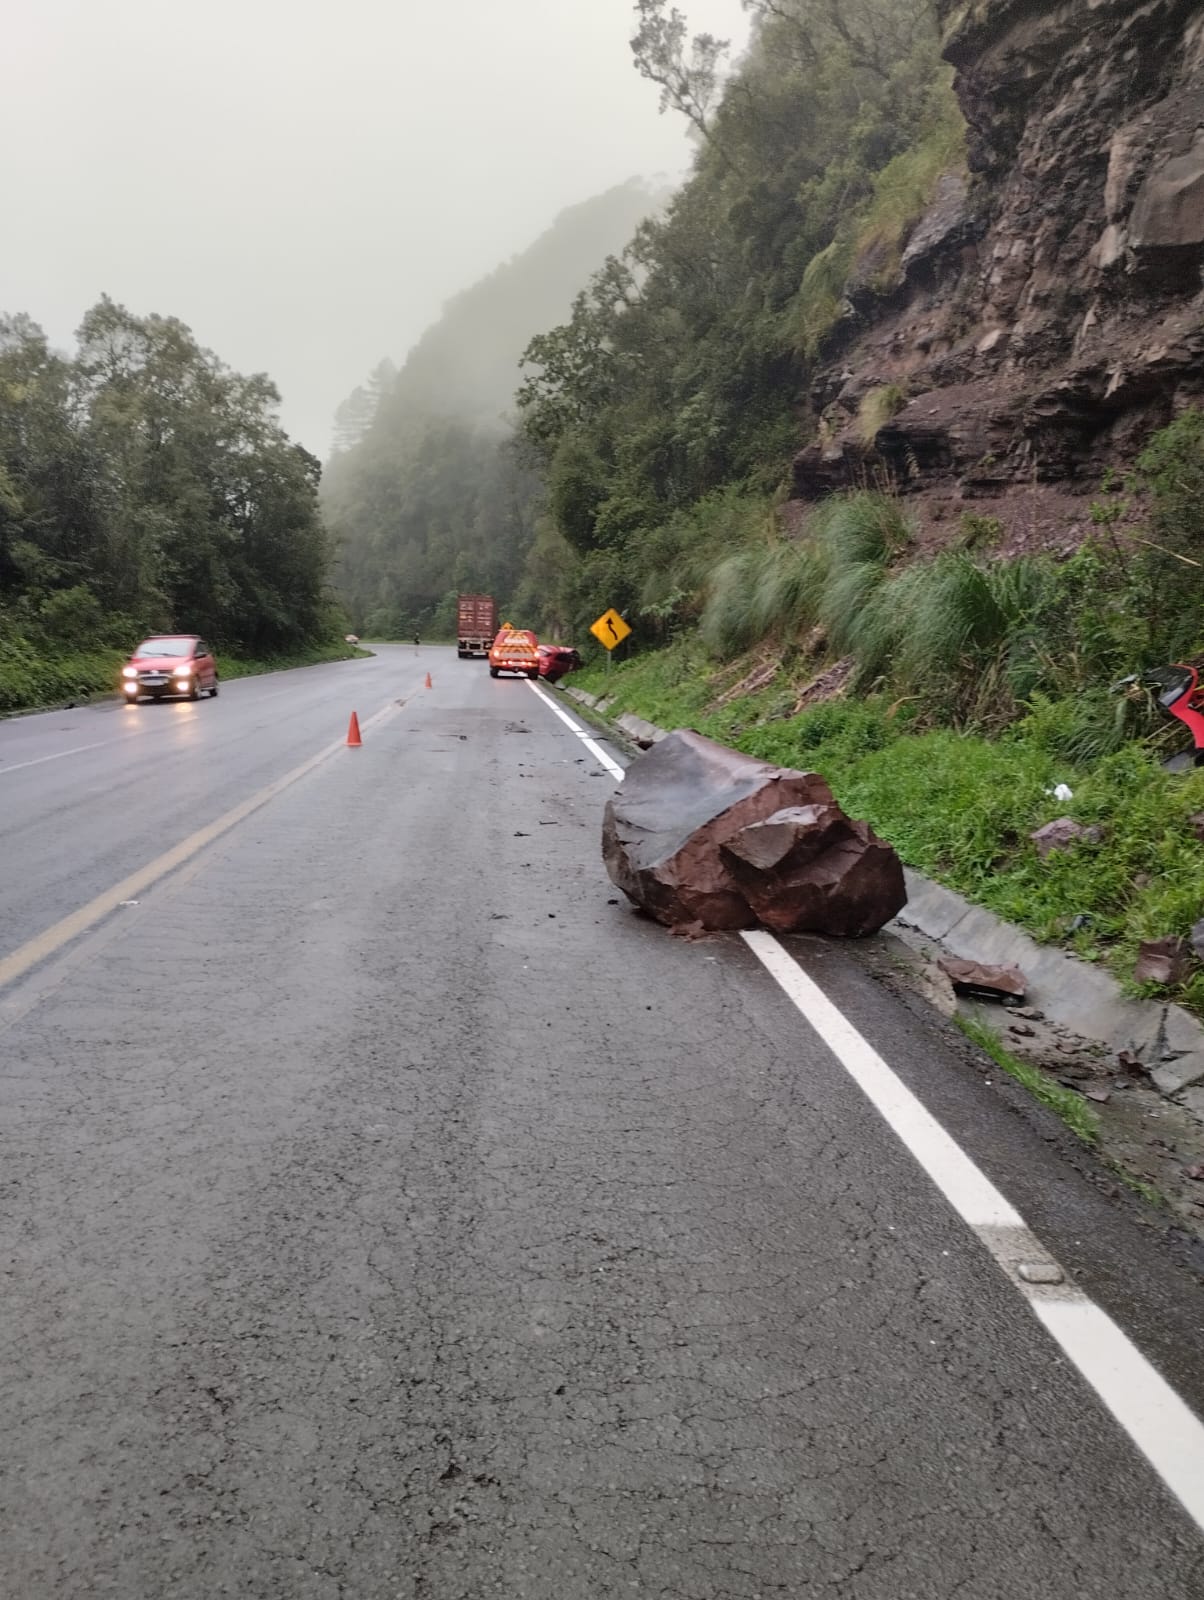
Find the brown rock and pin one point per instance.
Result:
(1162, 960)
(943, 226)
(984, 982)
(1168, 213)
(811, 867)
(681, 839)
(1061, 834)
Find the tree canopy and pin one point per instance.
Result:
(144, 484)
(682, 373)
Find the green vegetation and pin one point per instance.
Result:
(877, 407)
(1072, 1109)
(145, 485)
(672, 398)
(972, 688)
(655, 422)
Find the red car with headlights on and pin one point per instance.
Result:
(557, 659)
(170, 664)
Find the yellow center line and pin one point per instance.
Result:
(46, 944)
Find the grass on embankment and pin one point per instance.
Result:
(1064, 1103)
(35, 680)
(960, 807)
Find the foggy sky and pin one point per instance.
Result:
(304, 182)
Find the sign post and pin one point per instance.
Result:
(610, 630)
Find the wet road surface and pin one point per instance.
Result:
(385, 1211)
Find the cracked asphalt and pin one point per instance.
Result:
(385, 1212)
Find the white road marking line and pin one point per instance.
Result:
(53, 939)
(79, 749)
(1168, 1434)
(590, 744)
(967, 1190)
(1162, 1427)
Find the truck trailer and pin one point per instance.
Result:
(476, 625)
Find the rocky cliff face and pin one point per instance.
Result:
(1050, 311)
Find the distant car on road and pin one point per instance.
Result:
(169, 664)
(557, 659)
(514, 650)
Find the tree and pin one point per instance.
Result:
(687, 72)
(144, 483)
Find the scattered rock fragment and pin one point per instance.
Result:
(1062, 833)
(1162, 960)
(980, 982)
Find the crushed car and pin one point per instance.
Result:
(557, 659)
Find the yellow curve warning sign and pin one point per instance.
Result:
(610, 629)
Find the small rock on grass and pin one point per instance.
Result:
(1062, 833)
(1162, 960)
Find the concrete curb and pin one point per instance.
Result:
(1083, 998)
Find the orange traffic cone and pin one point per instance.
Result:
(429, 684)
(353, 732)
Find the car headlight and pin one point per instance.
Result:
(129, 672)
(184, 669)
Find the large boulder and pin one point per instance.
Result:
(702, 835)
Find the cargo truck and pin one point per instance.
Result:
(476, 624)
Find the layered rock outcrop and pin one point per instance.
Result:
(1048, 313)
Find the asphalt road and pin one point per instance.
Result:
(386, 1211)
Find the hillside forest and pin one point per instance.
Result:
(430, 489)
(145, 485)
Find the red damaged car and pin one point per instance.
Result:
(170, 664)
(557, 659)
